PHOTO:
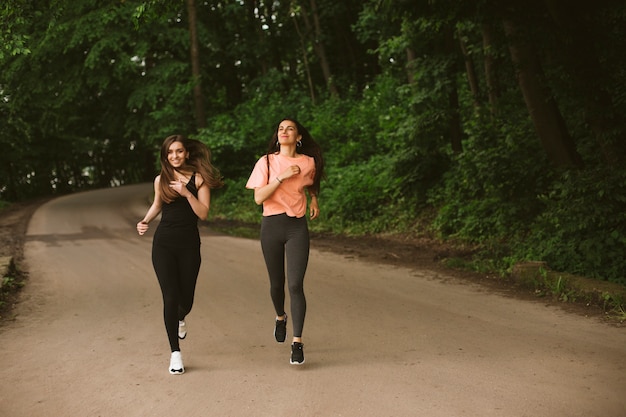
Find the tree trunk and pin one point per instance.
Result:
(456, 131)
(318, 46)
(410, 65)
(195, 66)
(493, 87)
(261, 53)
(544, 112)
(584, 65)
(470, 70)
(307, 69)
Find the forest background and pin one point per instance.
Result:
(495, 125)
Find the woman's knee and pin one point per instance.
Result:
(296, 288)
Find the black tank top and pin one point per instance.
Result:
(179, 224)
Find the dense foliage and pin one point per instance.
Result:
(496, 124)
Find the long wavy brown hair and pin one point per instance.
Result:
(198, 161)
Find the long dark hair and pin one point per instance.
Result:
(199, 161)
(308, 147)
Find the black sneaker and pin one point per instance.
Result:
(280, 330)
(297, 354)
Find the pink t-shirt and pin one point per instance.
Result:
(289, 197)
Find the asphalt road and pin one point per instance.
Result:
(89, 339)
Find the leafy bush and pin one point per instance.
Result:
(353, 129)
(359, 198)
(489, 194)
(583, 227)
(235, 202)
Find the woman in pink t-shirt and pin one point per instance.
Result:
(292, 167)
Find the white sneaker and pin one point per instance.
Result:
(182, 329)
(176, 364)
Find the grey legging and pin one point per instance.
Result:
(283, 235)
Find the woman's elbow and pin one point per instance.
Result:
(203, 214)
(258, 199)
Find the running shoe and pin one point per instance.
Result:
(280, 330)
(182, 329)
(297, 354)
(176, 364)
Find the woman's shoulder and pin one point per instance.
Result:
(262, 158)
(309, 159)
(265, 159)
(199, 179)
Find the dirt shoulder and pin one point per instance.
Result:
(13, 224)
(400, 251)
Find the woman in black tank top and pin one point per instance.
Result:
(182, 196)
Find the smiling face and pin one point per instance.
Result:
(176, 154)
(288, 133)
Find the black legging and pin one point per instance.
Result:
(283, 235)
(177, 271)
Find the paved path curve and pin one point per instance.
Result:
(379, 341)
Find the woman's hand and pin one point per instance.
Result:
(153, 211)
(289, 172)
(180, 187)
(314, 208)
(263, 193)
(142, 227)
